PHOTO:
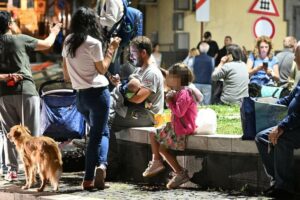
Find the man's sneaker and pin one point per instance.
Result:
(154, 167)
(99, 178)
(178, 179)
(11, 176)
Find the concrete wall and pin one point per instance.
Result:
(228, 17)
(214, 161)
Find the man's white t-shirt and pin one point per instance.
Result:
(81, 68)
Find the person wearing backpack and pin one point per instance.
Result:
(118, 19)
(111, 13)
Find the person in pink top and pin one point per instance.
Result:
(182, 101)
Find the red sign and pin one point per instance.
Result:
(199, 4)
(264, 26)
(265, 7)
(202, 10)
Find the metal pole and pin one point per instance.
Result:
(201, 31)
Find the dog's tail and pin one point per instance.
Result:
(59, 157)
(57, 169)
(54, 178)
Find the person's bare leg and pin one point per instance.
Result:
(154, 147)
(155, 166)
(171, 160)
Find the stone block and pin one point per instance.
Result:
(138, 134)
(197, 142)
(244, 172)
(243, 146)
(219, 143)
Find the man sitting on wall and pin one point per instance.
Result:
(276, 145)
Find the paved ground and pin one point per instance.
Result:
(70, 190)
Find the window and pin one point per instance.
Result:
(181, 4)
(148, 2)
(178, 21)
(181, 41)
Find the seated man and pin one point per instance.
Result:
(276, 145)
(152, 90)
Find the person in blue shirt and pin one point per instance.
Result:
(276, 144)
(262, 64)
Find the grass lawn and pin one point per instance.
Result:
(228, 118)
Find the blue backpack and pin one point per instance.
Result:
(131, 25)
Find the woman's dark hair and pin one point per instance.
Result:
(183, 72)
(235, 51)
(5, 18)
(154, 45)
(84, 22)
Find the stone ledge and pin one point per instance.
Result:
(215, 143)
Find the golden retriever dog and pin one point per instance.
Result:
(37, 153)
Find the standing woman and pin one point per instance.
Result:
(85, 66)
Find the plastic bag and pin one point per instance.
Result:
(206, 122)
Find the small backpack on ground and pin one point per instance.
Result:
(129, 26)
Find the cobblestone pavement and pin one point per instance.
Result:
(70, 190)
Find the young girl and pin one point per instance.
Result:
(183, 105)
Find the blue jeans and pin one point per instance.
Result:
(93, 104)
(205, 89)
(279, 162)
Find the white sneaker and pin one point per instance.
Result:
(154, 167)
(11, 176)
(100, 177)
(178, 179)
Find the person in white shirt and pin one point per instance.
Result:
(85, 65)
(157, 55)
(111, 12)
